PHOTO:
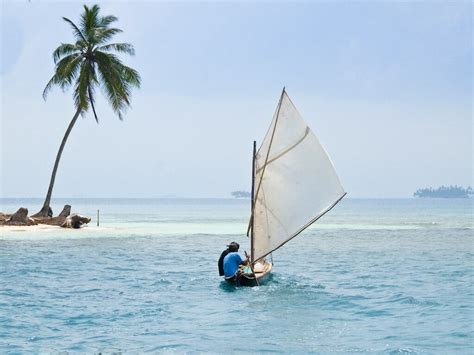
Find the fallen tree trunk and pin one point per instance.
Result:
(66, 211)
(55, 221)
(75, 221)
(20, 218)
(4, 217)
(43, 213)
(64, 219)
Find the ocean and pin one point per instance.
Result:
(373, 275)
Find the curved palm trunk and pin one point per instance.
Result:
(45, 210)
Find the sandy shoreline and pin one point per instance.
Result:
(41, 228)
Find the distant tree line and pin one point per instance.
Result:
(240, 194)
(445, 192)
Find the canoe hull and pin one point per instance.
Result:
(262, 273)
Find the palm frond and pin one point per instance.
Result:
(81, 45)
(118, 47)
(90, 89)
(90, 21)
(107, 20)
(66, 71)
(126, 75)
(81, 97)
(77, 32)
(115, 99)
(53, 81)
(114, 86)
(102, 35)
(129, 76)
(64, 49)
(91, 99)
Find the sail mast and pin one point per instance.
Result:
(270, 145)
(252, 201)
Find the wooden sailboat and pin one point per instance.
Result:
(294, 183)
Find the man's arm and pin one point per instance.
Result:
(244, 261)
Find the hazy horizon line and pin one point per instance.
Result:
(190, 198)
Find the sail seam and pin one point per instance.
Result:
(278, 156)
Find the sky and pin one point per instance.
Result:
(386, 86)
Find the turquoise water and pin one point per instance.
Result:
(391, 276)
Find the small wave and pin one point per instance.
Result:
(166, 348)
(118, 268)
(459, 335)
(412, 300)
(363, 287)
(161, 282)
(295, 283)
(89, 290)
(374, 313)
(14, 293)
(402, 351)
(45, 338)
(81, 320)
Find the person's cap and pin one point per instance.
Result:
(234, 244)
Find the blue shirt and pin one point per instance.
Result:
(231, 264)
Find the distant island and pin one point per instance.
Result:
(240, 194)
(444, 192)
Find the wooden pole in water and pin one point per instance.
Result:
(97, 218)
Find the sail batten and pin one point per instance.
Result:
(287, 149)
(297, 182)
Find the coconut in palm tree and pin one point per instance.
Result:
(85, 65)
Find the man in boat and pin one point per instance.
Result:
(232, 247)
(232, 262)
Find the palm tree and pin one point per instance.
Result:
(89, 63)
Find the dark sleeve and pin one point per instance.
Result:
(220, 263)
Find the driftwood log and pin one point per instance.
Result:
(65, 219)
(4, 217)
(75, 221)
(20, 218)
(40, 215)
(55, 221)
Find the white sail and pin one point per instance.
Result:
(295, 181)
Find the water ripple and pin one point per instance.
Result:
(123, 289)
